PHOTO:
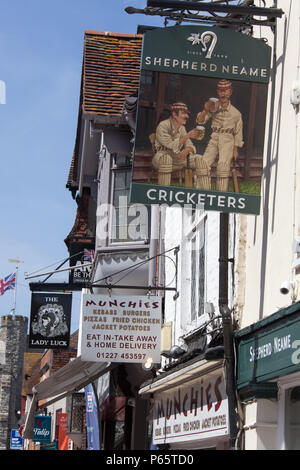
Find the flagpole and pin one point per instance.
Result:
(17, 261)
(15, 293)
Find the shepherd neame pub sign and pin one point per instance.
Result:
(201, 119)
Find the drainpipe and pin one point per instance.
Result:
(227, 327)
(154, 243)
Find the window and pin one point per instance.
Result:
(197, 274)
(293, 418)
(288, 417)
(128, 222)
(194, 263)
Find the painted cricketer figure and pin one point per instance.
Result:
(226, 137)
(173, 144)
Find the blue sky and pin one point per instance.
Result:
(41, 46)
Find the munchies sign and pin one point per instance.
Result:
(201, 119)
(194, 411)
(120, 328)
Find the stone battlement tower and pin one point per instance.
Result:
(13, 337)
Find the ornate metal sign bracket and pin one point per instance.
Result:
(223, 13)
(109, 279)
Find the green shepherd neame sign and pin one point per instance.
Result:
(213, 52)
(201, 119)
(270, 348)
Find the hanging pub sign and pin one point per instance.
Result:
(81, 257)
(42, 428)
(201, 119)
(120, 328)
(50, 320)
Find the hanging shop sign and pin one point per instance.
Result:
(50, 320)
(42, 428)
(92, 419)
(269, 348)
(120, 328)
(16, 441)
(49, 445)
(81, 255)
(192, 411)
(63, 439)
(201, 119)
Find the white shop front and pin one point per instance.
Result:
(190, 407)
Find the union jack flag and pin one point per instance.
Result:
(88, 255)
(9, 282)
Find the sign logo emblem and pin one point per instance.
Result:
(208, 40)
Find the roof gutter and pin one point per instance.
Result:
(106, 121)
(82, 160)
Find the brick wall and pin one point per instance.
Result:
(60, 358)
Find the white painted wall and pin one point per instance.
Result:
(263, 250)
(270, 235)
(178, 311)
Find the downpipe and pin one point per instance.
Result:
(229, 357)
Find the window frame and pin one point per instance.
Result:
(116, 168)
(285, 385)
(194, 227)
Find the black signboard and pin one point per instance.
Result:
(50, 321)
(81, 258)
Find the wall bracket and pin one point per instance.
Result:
(222, 13)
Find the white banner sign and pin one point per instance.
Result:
(197, 410)
(120, 328)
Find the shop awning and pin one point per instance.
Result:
(67, 380)
(266, 351)
(184, 373)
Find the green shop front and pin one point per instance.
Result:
(268, 380)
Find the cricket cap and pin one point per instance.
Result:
(224, 84)
(180, 107)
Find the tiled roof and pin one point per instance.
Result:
(111, 69)
(110, 73)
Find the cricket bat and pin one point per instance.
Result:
(235, 178)
(188, 174)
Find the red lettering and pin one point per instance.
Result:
(218, 393)
(194, 401)
(208, 396)
(169, 408)
(177, 404)
(201, 396)
(160, 411)
(183, 404)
